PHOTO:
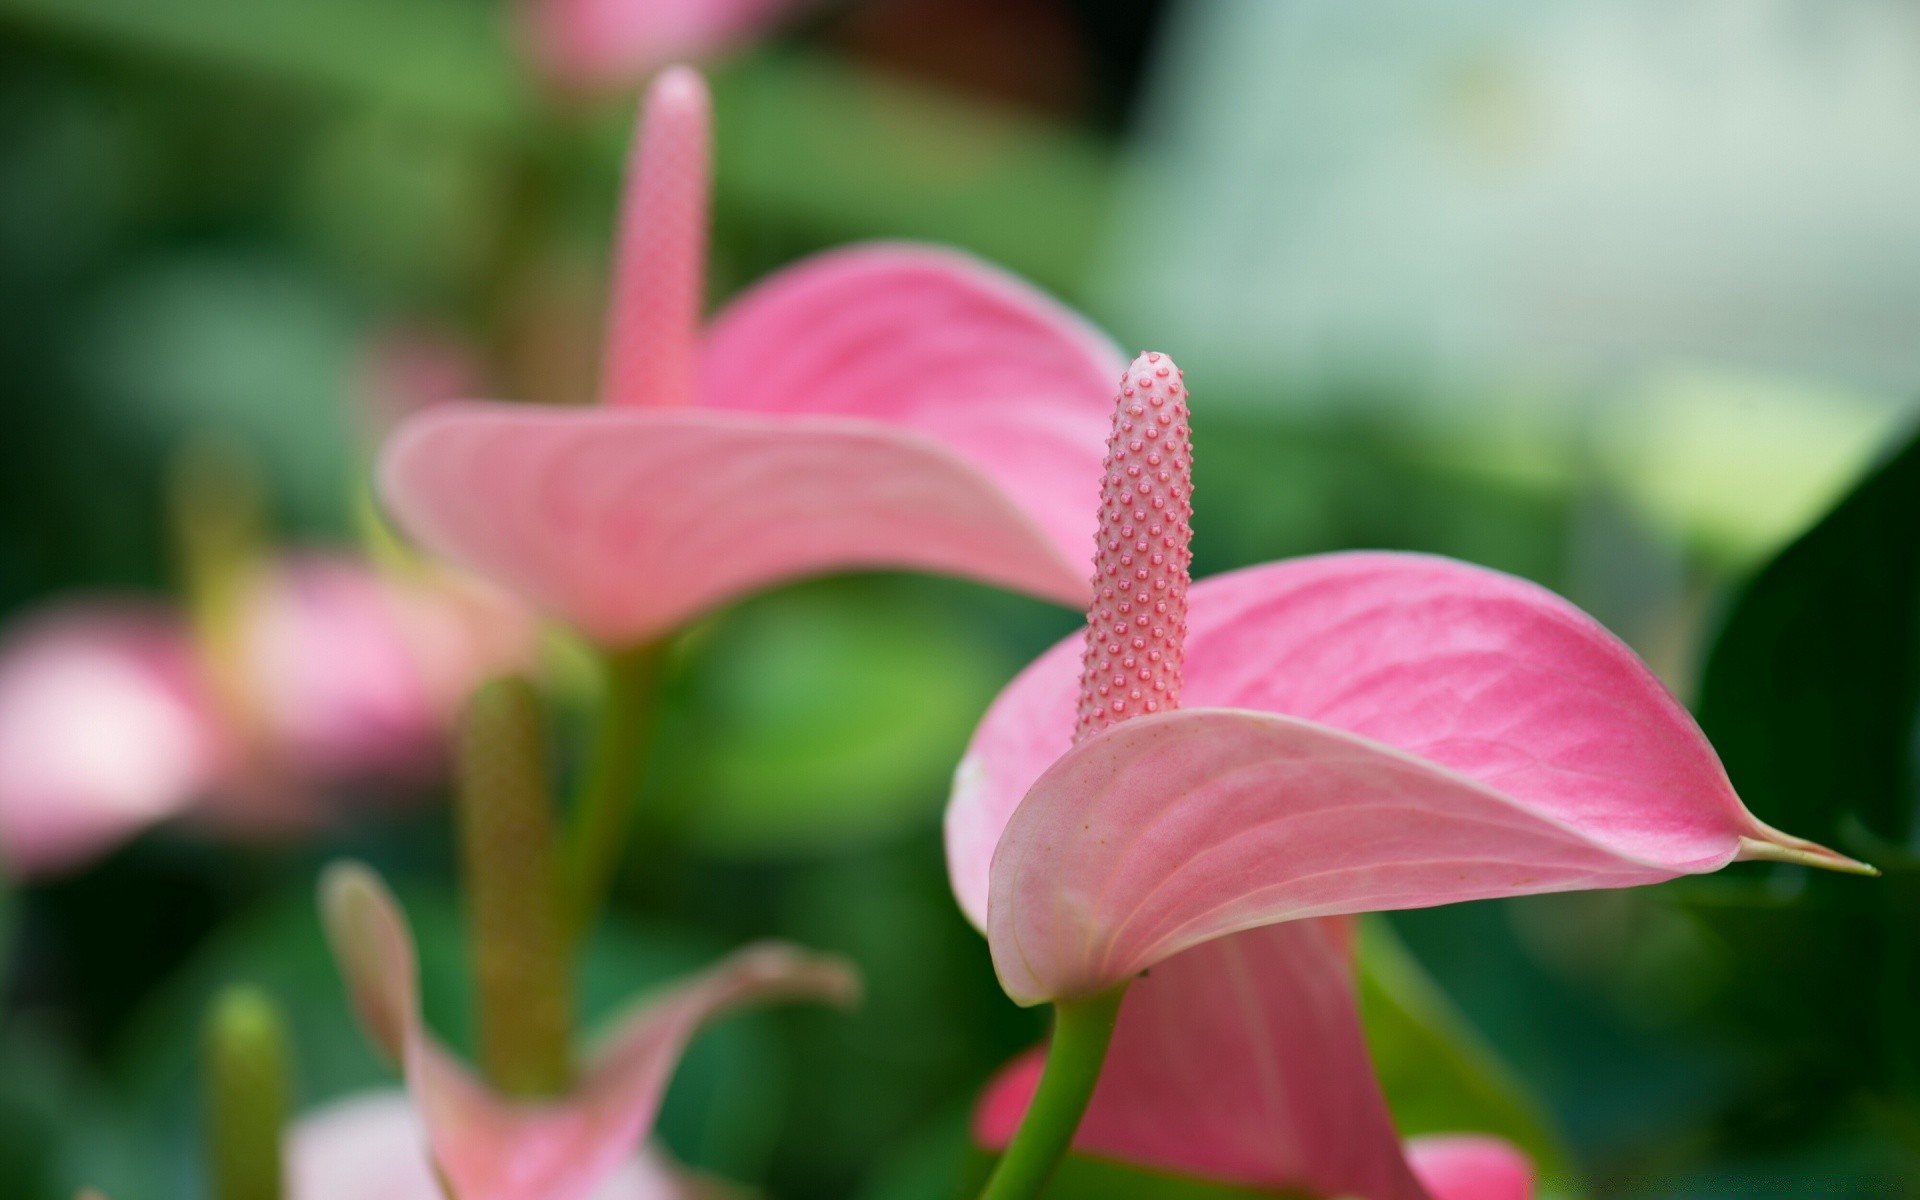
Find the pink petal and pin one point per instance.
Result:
(493, 1148)
(938, 343)
(372, 1147)
(1452, 733)
(354, 674)
(660, 267)
(1459, 1167)
(627, 524)
(332, 675)
(1240, 1061)
(104, 728)
(602, 44)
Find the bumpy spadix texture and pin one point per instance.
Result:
(492, 1148)
(1243, 1061)
(883, 406)
(1137, 623)
(1357, 732)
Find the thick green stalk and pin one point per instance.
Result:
(603, 810)
(246, 1090)
(521, 961)
(1081, 1031)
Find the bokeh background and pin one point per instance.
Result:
(1617, 295)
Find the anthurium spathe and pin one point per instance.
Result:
(1324, 736)
(491, 1147)
(881, 406)
(115, 714)
(1242, 1061)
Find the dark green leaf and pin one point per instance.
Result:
(1812, 689)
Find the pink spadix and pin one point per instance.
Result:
(1333, 735)
(1137, 624)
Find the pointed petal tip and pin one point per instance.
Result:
(785, 967)
(1775, 846)
(373, 949)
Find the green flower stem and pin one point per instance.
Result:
(246, 1089)
(1081, 1031)
(603, 810)
(509, 856)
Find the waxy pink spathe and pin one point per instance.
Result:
(887, 405)
(588, 1143)
(1186, 792)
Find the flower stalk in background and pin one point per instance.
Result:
(1325, 736)
(885, 406)
(247, 1089)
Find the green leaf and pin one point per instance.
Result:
(1812, 690)
(1439, 1076)
(441, 57)
(1811, 695)
(815, 721)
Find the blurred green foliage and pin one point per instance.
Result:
(208, 211)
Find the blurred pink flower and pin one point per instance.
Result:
(601, 45)
(490, 1147)
(113, 716)
(1242, 1061)
(881, 406)
(1362, 731)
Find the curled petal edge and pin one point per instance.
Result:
(490, 1147)
(1172, 830)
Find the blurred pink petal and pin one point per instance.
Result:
(372, 1147)
(890, 406)
(410, 370)
(1240, 1061)
(1459, 1167)
(356, 674)
(104, 729)
(1450, 733)
(493, 1148)
(607, 44)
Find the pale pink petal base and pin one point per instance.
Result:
(105, 728)
(1462, 1167)
(493, 1148)
(372, 1147)
(1449, 733)
(1240, 1061)
(883, 407)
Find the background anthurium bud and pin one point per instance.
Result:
(508, 857)
(246, 1090)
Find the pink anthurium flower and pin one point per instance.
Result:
(596, 45)
(1242, 1061)
(113, 717)
(882, 406)
(1330, 735)
(583, 1144)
